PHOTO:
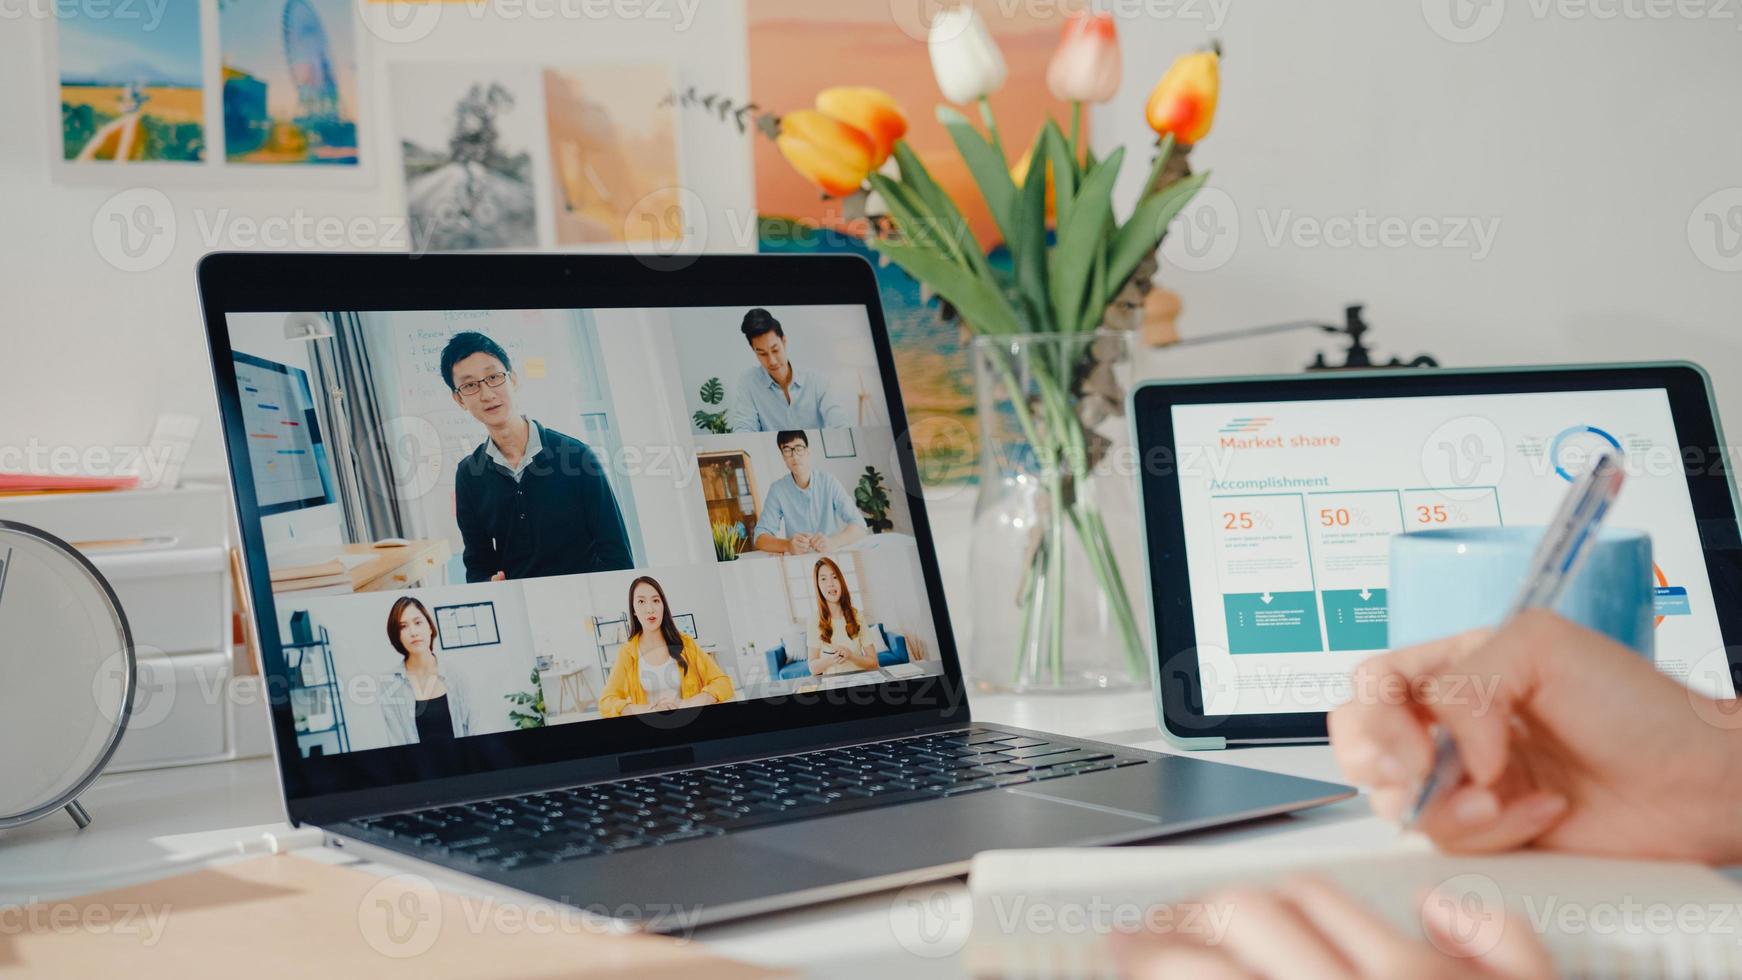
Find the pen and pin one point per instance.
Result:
(1552, 566)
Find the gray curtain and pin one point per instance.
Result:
(366, 474)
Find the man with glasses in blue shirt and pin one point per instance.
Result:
(530, 500)
(807, 510)
(773, 395)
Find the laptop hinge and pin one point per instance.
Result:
(662, 759)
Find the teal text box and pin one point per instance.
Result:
(1288, 623)
(1353, 622)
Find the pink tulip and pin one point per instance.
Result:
(1086, 66)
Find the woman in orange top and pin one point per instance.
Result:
(659, 669)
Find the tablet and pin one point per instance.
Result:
(1269, 503)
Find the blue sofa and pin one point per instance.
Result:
(894, 651)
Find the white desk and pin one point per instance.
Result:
(852, 938)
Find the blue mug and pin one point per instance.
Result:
(1446, 582)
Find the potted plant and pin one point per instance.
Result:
(530, 711)
(729, 540)
(872, 498)
(1049, 330)
(712, 393)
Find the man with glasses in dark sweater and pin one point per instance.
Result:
(530, 500)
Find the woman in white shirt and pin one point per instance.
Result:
(420, 702)
(843, 645)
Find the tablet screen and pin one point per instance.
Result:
(1290, 507)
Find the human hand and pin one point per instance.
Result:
(1308, 928)
(665, 702)
(800, 544)
(1569, 741)
(499, 577)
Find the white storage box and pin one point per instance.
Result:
(166, 554)
(176, 601)
(179, 712)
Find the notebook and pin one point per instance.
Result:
(1046, 913)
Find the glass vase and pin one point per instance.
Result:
(1052, 611)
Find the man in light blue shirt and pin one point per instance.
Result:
(773, 395)
(806, 511)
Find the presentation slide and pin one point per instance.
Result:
(1299, 501)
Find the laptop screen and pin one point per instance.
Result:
(1291, 507)
(485, 521)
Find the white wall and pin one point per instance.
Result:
(1593, 142)
(1590, 141)
(895, 595)
(656, 436)
(116, 348)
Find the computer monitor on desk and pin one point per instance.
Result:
(299, 507)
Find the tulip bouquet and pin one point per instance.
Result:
(1073, 270)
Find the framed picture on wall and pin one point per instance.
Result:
(470, 625)
(838, 444)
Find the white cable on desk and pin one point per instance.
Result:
(270, 842)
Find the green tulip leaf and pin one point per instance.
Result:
(1142, 234)
(946, 217)
(978, 300)
(914, 220)
(1081, 238)
(1028, 246)
(986, 165)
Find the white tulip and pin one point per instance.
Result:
(964, 57)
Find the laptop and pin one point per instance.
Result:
(559, 582)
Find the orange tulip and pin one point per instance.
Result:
(826, 151)
(1184, 101)
(870, 111)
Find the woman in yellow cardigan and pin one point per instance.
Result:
(666, 672)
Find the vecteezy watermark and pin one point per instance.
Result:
(915, 17)
(1365, 230)
(1473, 912)
(35, 456)
(1469, 21)
(141, 921)
(400, 916)
(932, 919)
(404, 916)
(1469, 910)
(1715, 230)
(135, 229)
(1205, 234)
(147, 14)
(407, 23)
(1714, 682)
(1462, 455)
(1463, 21)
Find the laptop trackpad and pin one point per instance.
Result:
(936, 832)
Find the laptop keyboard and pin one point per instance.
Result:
(646, 811)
